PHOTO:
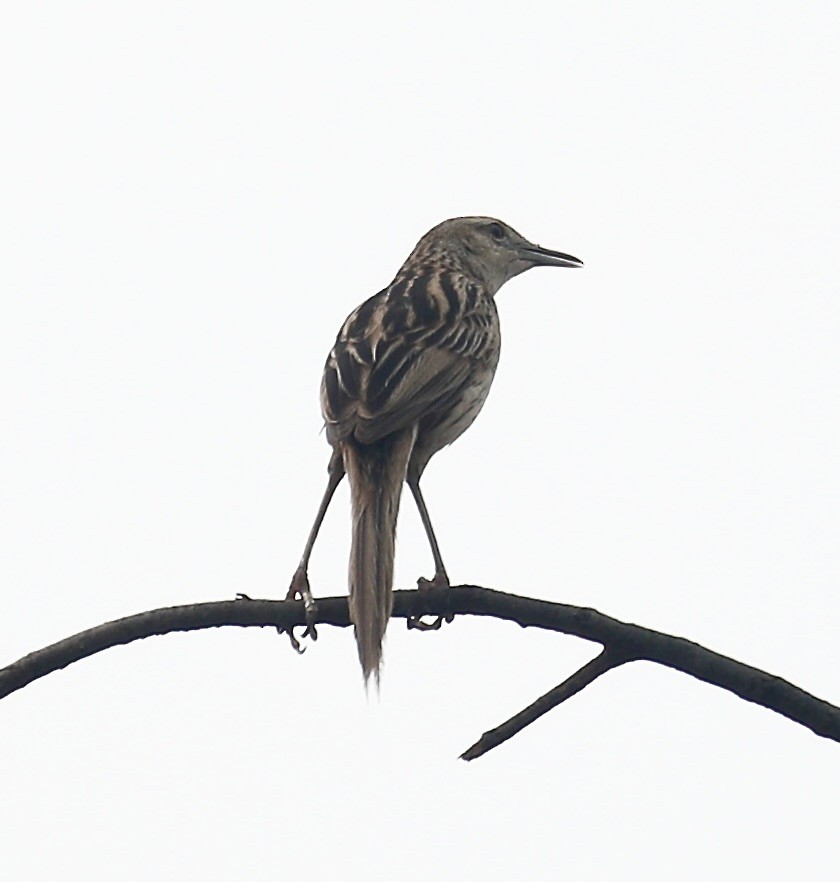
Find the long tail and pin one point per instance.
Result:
(376, 473)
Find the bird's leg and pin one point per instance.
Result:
(440, 579)
(299, 588)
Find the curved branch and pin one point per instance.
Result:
(622, 643)
(644, 644)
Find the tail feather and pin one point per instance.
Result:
(376, 473)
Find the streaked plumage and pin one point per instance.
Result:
(408, 374)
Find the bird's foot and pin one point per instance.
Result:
(438, 583)
(299, 590)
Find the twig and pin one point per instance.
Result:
(603, 662)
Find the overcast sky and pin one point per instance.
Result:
(192, 198)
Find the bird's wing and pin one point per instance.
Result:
(408, 351)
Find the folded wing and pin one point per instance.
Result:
(404, 354)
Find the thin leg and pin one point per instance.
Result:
(440, 570)
(300, 581)
(440, 580)
(335, 476)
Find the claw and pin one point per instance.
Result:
(292, 639)
(416, 623)
(299, 590)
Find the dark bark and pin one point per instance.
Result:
(621, 642)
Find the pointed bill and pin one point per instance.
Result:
(540, 256)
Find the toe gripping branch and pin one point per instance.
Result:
(433, 591)
(299, 590)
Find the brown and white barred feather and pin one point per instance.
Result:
(408, 374)
(409, 352)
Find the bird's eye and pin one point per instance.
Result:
(497, 232)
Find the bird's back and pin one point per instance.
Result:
(423, 351)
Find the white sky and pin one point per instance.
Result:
(192, 198)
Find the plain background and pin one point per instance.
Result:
(192, 198)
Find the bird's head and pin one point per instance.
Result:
(485, 248)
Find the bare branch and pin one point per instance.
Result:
(603, 662)
(282, 614)
(637, 643)
(622, 642)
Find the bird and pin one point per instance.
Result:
(409, 372)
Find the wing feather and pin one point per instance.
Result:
(407, 352)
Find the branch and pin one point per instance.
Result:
(605, 661)
(622, 643)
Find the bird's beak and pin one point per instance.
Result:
(539, 256)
